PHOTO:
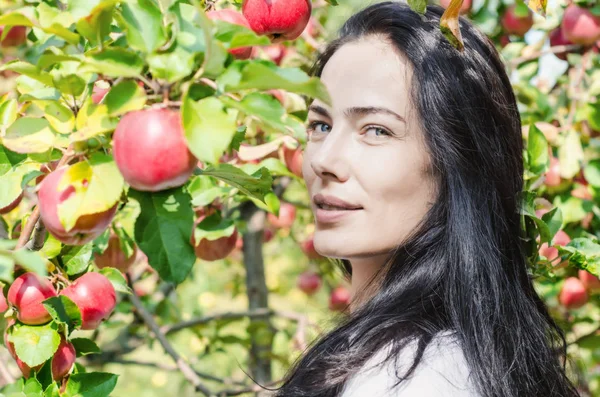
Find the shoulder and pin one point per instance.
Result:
(443, 371)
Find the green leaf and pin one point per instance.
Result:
(537, 150)
(236, 36)
(8, 112)
(591, 172)
(7, 265)
(215, 53)
(113, 62)
(98, 186)
(208, 126)
(125, 97)
(53, 21)
(76, 258)
(35, 344)
(28, 70)
(93, 384)
(570, 155)
(52, 390)
(189, 36)
(275, 166)
(172, 66)
(256, 185)
(163, 230)
(92, 120)
(69, 84)
(214, 227)
(204, 190)
(117, 280)
(14, 18)
(84, 346)
(29, 135)
(32, 388)
(264, 75)
(97, 24)
(9, 159)
(585, 254)
(142, 22)
(64, 311)
(60, 117)
(268, 113)
(553, 220)
(418, 6)
(10, 187)
(31, 260)
(46, 94)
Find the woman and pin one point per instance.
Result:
(422, 148)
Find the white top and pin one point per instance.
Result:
(442, 371)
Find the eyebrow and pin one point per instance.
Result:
(358, 111)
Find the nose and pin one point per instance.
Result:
(329, 156)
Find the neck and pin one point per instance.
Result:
(363, 270)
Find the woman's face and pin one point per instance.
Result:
(367, 150)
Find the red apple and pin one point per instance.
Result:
(276, 52)
(26, 295)
(114, 256)
(339, 299)
(232, 16)
(549, 252)
(3, 304)
(63, 360)
(287, 215)
(580, 26)
(553, 173)
(87, 227)
(293, 159)
(15, 36)
(212, 250)
(101, 88)
(95, 296)
(309, 282)
(514, 24)
(308, 247)
(12, 205)
(151, 151)
(573, 294)
(591, 282)
(280, 20)
(557, 38)
(464, 9)
(561, 238)
(268, 235)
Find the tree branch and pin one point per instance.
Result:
(187, 371)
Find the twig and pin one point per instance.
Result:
(166, 367)
(261, 312)
(39, 236)
(28, 229)
(187, 371)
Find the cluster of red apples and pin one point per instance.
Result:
(93, 294)
(149, 145)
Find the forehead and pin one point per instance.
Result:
(368, 72)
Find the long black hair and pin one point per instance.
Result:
(464, 269)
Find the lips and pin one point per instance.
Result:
(333, 203)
